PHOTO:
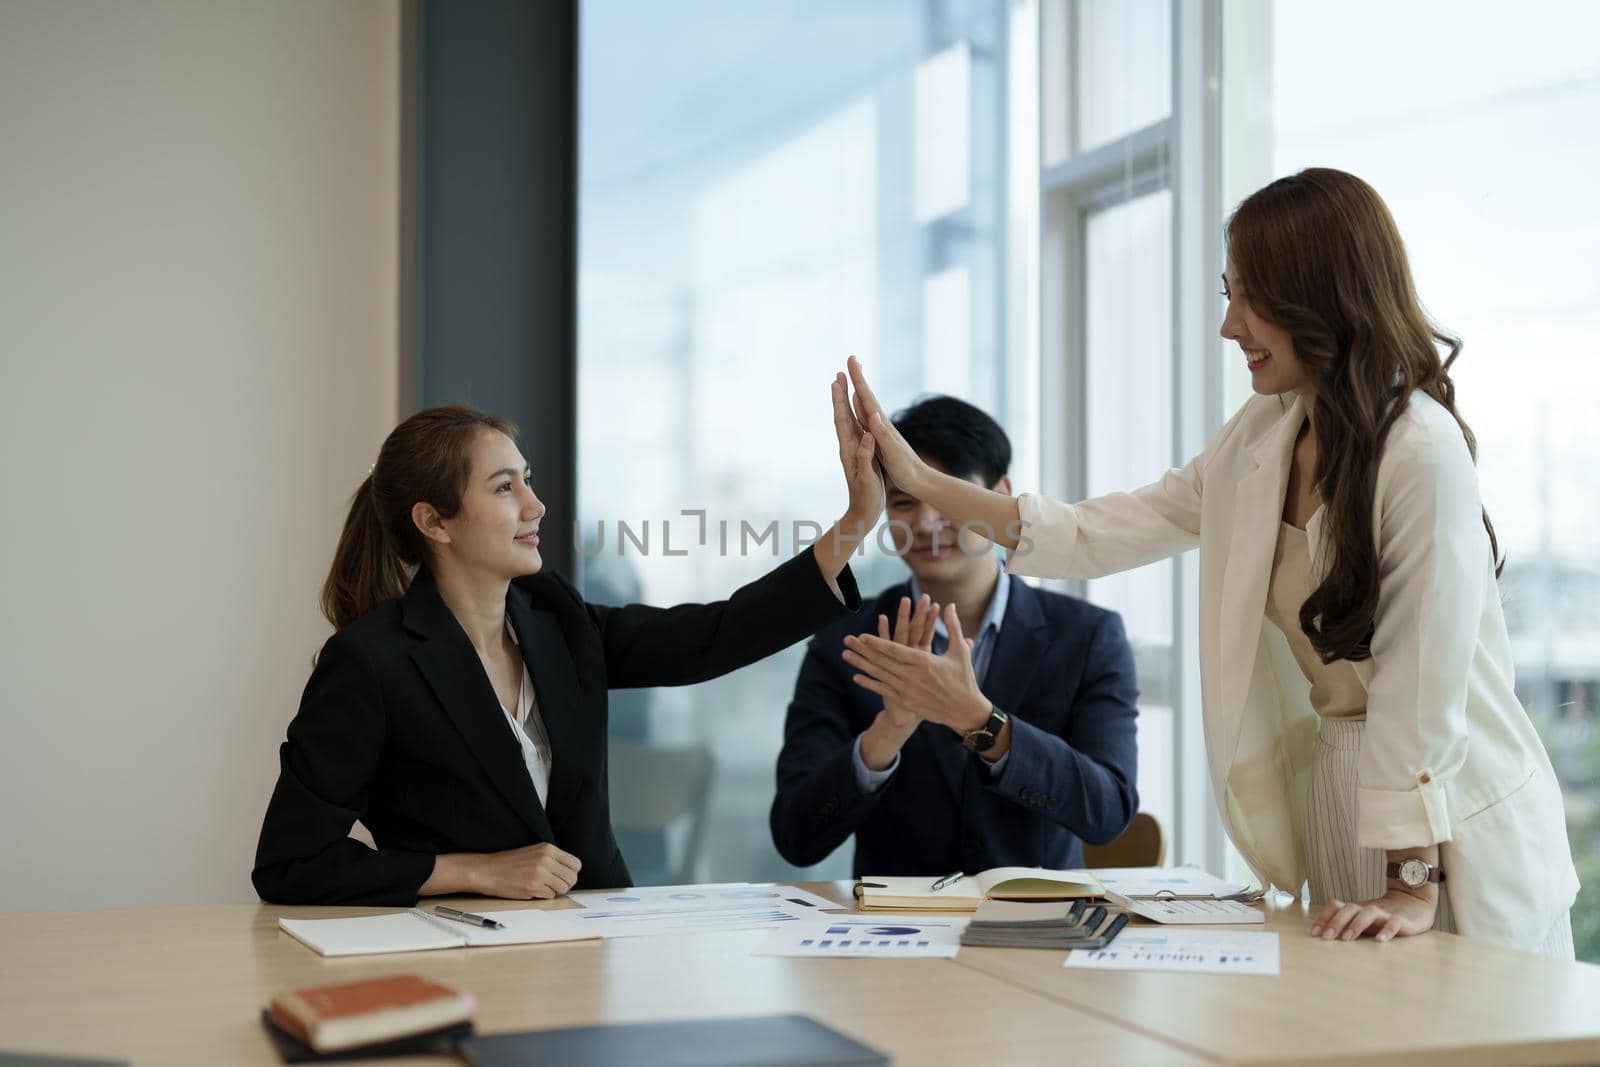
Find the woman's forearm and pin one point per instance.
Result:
(994, 515)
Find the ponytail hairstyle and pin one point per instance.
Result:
(427, 458)
(1319, 255)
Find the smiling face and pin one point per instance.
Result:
(1268, 349)
(933, 547)
(496, 530)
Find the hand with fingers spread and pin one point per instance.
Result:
(895, 724)
(942, 689)
(1398, 913)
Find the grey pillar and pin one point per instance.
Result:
(490, 150)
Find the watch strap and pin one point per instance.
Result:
(983, 738)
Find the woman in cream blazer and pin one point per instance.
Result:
(1450, 767)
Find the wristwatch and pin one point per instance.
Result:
(1415, 873)
(983, 738)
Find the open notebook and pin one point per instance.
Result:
(418, 931)
(968, 891)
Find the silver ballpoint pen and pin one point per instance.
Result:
(467, 917)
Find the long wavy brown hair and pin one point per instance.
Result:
(428, 457)
(1319, 256)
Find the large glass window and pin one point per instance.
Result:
(1128, 429)
(1111, 393)
(1479, 131)
(764, 190)
(1123, 66)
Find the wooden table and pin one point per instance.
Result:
(1416, 1001)
(185, 986)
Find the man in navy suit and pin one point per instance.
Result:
(1027, 751)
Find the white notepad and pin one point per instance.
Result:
(418, 931)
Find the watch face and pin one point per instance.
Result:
(1414, 873)
(978, 741)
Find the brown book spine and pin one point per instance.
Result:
(288, 1022)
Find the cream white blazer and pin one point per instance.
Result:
(1449, 756)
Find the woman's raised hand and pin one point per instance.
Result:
(856, 451)
(903, 466)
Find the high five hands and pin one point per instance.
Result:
(994, 515)
(856, 454)
(903, 466)
(865, 483)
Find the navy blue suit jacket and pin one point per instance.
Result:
(1062, 670)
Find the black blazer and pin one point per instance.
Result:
(400, 728)
(1062, 670)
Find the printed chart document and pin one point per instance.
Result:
(1181, 883)
(684, 917)
(688, 895)
(889, 937)
(1183, 949)
(699, 896)
(1182, 912)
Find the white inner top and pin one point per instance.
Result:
(527, 725)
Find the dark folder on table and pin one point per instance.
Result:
(752, 1041)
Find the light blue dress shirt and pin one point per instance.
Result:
(982, 652)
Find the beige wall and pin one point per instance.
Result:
(198, 332)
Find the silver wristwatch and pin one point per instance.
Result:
(1415, 873)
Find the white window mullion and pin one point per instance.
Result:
(1197, 368)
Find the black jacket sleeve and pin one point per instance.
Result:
(819, 803)
(646, 646)
(1084, 777)
(305, 854)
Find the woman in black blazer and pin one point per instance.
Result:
(399, 725)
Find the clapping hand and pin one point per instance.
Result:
(942, 689)
(913, 629)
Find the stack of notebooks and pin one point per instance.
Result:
(1052, 925)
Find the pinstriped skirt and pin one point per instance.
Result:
(1338, 867)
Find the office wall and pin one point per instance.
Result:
(198, 360)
